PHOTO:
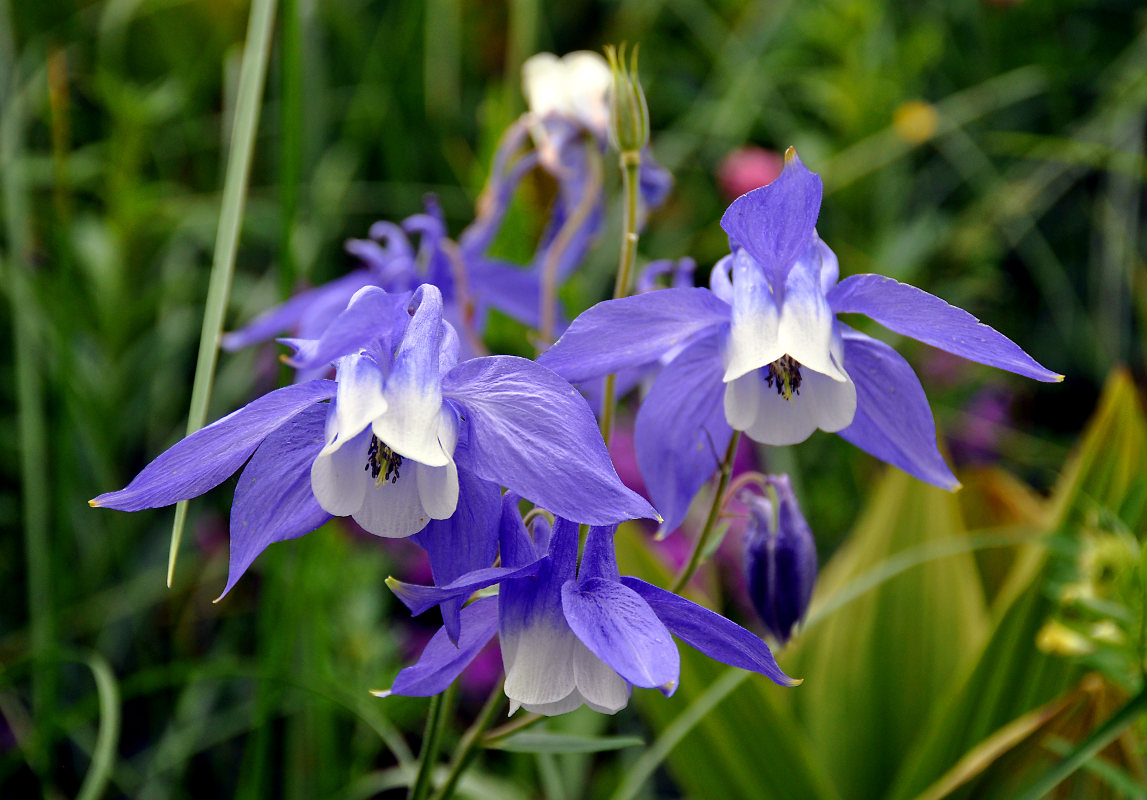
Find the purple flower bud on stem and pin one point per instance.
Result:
(780, 558)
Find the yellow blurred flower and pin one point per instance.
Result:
(915, 121)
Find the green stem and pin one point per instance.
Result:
(714, 513)
(1102, 736)
(431, 741)
(32, 422)
(252, 75)
(471, 741)
(512, 727)
(630, 166)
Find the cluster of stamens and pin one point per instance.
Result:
(785, 374)
(382, 462)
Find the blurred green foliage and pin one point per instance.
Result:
(1023, 204)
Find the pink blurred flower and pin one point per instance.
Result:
(748, 168)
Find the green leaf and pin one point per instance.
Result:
(542, 742)
(1009, 676)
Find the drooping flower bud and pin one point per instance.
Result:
(629, 114)
(780, 558)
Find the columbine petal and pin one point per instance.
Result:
(337, 479)
(709, 632)
(530, 431)
(893, 420)
(681, 432)
(273, 499)
(807, 322)
(438, 489)
(619, 628)
(371, 314)
(441, 662)
(209, 456)
(359, 398)
(537, 644)
(638, 330)
(598, 685)
(822, 403)
(414, 386)
(926, 318)
(753, 340)
(392, 510)
(774, 223)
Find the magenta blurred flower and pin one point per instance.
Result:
(748, 168)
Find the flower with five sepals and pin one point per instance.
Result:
(571, 635)
(764, 353)
(404, 421)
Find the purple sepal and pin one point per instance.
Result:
(915, 313)
(420, 598)
(372, 314)
(531, 432)
(709, 632)
(315, 306)
(209, 456)
(467, 541)
(510, 289)
(620, 628)
(654, 182)
(525, 602)
(775, 223)
(893, 419)
(631, 331)
(273, 500)
(680, 432)
(599, 559)
(441, 662)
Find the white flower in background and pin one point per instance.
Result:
(574, 86)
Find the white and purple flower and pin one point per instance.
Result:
(393, 441)
(762, 351)
(570, 635)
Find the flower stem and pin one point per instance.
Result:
(714, 513)
(436, 716)
(256, 53)
(630, 166)
(470, 743)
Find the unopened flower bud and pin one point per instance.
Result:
(780, 559)
(629, 114)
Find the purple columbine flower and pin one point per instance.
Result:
(764, 353)
(571, 636)
(780, 558)
(406, 427)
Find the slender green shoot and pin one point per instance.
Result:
(252, 76)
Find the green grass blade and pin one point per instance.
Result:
(103, 759)
(252, 76)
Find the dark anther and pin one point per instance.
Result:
(785, 374)
(381, 460)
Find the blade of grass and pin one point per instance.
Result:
(30, 413)
(252, 76)
(103, 759)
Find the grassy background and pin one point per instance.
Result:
(1023, 206)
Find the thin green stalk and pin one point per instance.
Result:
(436, 717)
(32, 423)
(630, 166)
(1102, 736)
(252, 76)
(512, 727)
(471, 741)
(714, 513)
(290, 138)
